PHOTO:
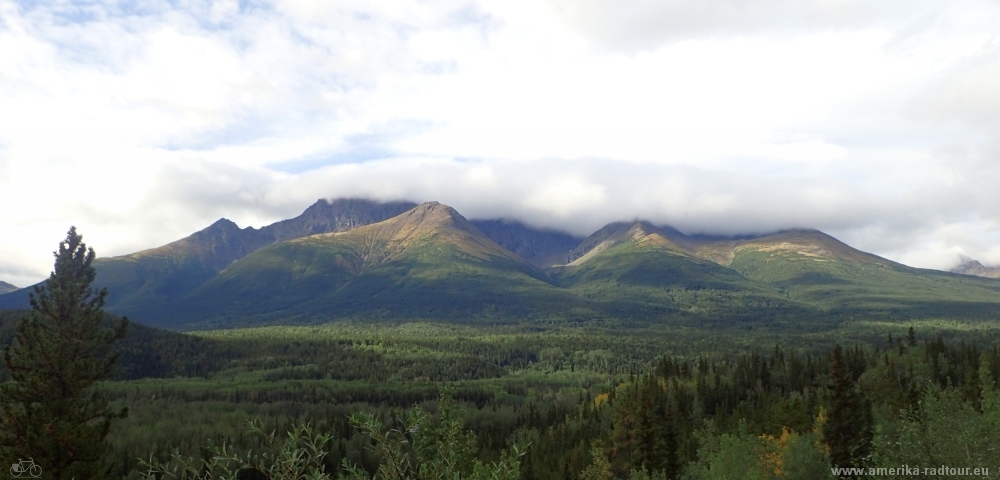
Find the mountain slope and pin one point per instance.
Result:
(813, 267)
(785, 271)
(158, 276)
(542, 248)
(644, 270)
(428, 262)
(6, 287)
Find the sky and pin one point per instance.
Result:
(142, 122)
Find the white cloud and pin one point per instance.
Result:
(140, 124)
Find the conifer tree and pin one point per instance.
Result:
(849, 428)
(49, 410)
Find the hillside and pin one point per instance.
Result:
(161, 275)
(6, 287)
(542, 248)
(147, 352)
(641, 269)
(428, 262)
(782, 271)
(813, 267)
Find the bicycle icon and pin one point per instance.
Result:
(27, 468)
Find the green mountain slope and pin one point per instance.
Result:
(429, 262)
(140, 281)
(636, 269)
(813, 267)
(771, 278)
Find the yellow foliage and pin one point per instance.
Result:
(820, 421)
(818, 430)
(602, 398)
(774, 449)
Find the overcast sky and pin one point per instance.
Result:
(142, 122)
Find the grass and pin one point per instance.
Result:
(859, 289)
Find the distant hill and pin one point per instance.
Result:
(427, 263)
(161, 275)
(146, 351)
(973, 267)
(6, 287)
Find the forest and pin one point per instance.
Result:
(574, 403)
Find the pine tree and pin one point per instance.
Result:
(849, 428)
(49, 411)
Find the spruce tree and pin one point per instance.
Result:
(49, 410)
(849, 428)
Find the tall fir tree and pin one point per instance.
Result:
(849, 428)
(49, 410)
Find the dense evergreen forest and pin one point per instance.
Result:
(577, 402)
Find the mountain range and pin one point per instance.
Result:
(364, 260)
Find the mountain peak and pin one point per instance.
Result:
(809, 243)
(222, 226)
(6, 287)
(612, 234)
(971, 266)
(427, 218)
(420, 224)
(338, 215)
(436, 208)
(224, 223)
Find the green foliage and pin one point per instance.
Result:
(561, 389)
(791, 456)
(730, 457)
(942, 429)
(642, 475)
(600, 469)
(420, 450)
(870, 286)
(297, 456)
(51, 411)
(803, 460)
(849, 428)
